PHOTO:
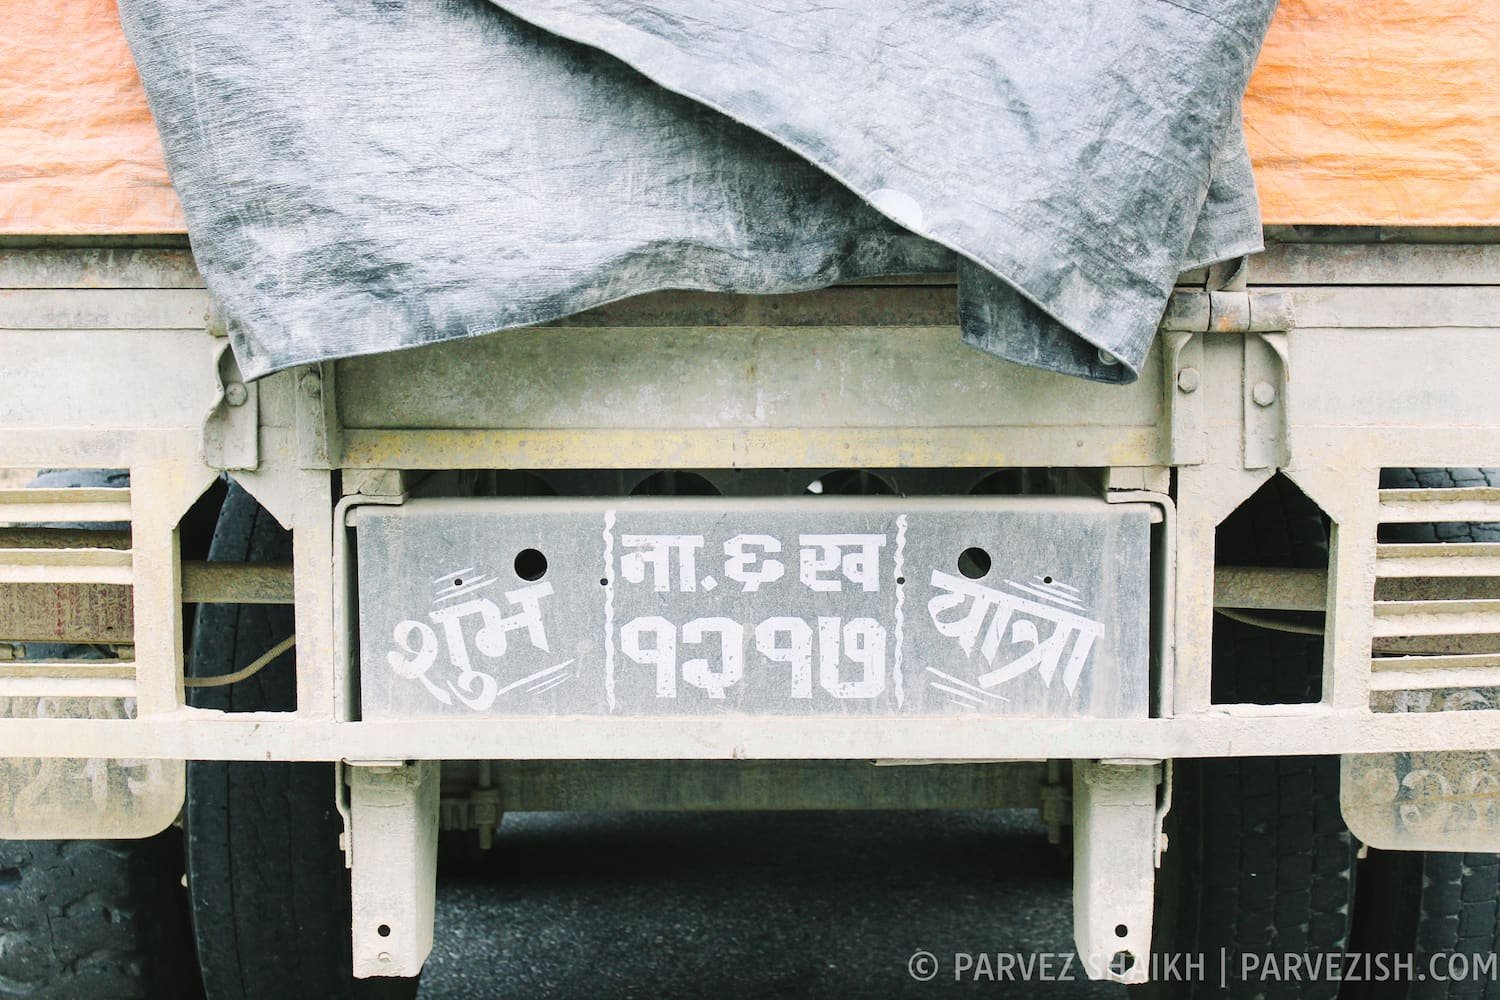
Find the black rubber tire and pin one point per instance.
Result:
(266, 876)
(1259, 860)
(94, 918)
(1433, 903)
(1411, 479)
(1425, 905)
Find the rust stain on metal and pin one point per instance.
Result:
(65, 612)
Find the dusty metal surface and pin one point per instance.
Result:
(64, 796)
(101, 370)
(57, 612)
(1268, 587)
(391, 844)
(110, 364)
(1445, 800)
(550, 786)
(843, 606)
(62, 538)
(1114, 867)
(1379, 370)
(91, 612)
(237, 583)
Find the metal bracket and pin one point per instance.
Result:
(1115, 843)
(1163, 808)
(393, 825)
(480, 811)
(320, 443)
(1056, 802)
(1138, 478)
(376, 482)
(1262, 317)
(231, 428)
(1183, 369)
(1267, 383)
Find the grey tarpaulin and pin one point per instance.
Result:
(366, 175)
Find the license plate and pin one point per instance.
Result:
(860, 607)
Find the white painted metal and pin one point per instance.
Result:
(1220, 731)
(1415, 673)
(107, 360)
(46, 506)
(392, 838)
(1114, 867)
(1479, 503)
(1440, 800)
(67, 687)
(231, 428)
(1437, 617)
(65, 566)
(1457, 559)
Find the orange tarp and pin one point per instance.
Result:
(1369, 112)
(78, 150)
(1378, 112)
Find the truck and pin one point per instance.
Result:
(1231, 628)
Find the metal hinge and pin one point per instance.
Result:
(1262, 317)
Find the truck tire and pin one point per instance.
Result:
(1426, 904)
(266, 875)
(1258, 861)
(94, 918)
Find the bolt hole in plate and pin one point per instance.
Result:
(975, 563)
(1121, 962)
(531, 565)
(1121, 930)
(679, 606)
(384, 930)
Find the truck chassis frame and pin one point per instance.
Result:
(1325, 360)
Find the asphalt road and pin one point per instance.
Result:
(592, 905)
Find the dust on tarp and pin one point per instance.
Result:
(362, 177)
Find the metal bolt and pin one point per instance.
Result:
(1187, 380)
(1264, 394)
(384, 956)
(1106, 358)
(235, 394)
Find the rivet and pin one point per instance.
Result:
(1106, 358)
(235, 394)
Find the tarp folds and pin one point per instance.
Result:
(363, 176)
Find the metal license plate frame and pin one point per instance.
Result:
(861, 607)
